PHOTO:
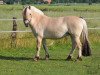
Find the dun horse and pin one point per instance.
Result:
(44, 27)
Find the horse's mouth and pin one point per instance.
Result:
(27, 26)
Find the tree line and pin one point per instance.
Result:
(76, 1)
(53, 1)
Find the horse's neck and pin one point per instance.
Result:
(36, 18)
(45, 20)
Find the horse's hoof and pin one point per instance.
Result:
(69, 58)
(36, 58)
(47, 57)
(79, 58)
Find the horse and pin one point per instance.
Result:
(44, 27)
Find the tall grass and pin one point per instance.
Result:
(9, 11)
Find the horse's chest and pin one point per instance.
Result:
(34, 31)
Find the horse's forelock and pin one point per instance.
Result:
(24, 11)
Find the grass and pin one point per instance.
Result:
(19, 60)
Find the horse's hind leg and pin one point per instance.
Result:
(79, 46)
(76, 42)
(46, 49)
(73, 48)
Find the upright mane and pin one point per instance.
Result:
(34, 9)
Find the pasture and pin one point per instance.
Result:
(19, 60)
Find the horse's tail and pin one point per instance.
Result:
(86, 50)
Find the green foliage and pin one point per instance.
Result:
(9, 1)
(27, 2)
(23, 2)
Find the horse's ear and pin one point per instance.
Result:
(29, 7)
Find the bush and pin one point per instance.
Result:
(27, 2)
(9, 1)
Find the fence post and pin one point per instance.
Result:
(14, 34)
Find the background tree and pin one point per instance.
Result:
(90, 2)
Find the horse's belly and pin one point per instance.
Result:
(58, 33)
(53, 35)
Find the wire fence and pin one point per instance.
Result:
(24, 38)
(20, 19)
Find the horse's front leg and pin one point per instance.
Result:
(38, 46)
(46, 49)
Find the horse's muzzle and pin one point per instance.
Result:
(26, 22)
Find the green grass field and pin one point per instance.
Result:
(19, 60)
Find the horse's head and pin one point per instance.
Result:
(27, 14)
